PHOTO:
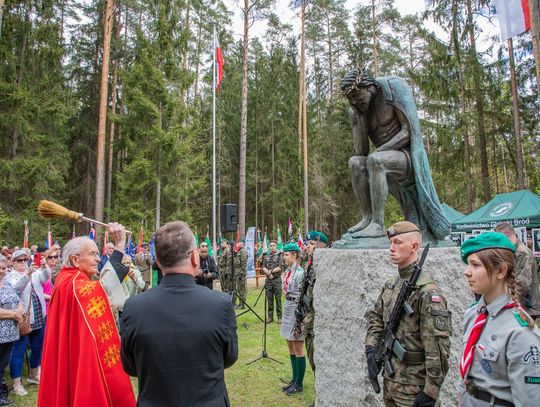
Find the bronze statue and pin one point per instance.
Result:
(383, 111)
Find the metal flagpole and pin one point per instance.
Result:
(214, 67)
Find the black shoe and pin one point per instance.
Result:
(6, 402)
(294, 389)
(285, 388)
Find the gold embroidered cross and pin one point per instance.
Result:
(87, 289)
(96, 307)
(105, 331)
(112, 356)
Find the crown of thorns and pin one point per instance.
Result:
(356, 79)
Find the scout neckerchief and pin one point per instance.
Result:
(476, 331)
(290, 270)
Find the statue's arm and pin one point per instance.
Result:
(402, 139)
(359, 133)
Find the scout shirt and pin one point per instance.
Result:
(426, 333)
(506, 360)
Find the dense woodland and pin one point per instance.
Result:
(159, 117)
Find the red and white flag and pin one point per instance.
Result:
(140, 242)
(105, 241)
(26, 234)
(50, 240)
(514, 17)
(220, 63)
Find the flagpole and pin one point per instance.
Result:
(214, 148)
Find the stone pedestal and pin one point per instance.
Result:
(348, 283)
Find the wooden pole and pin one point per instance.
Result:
(517, 127)
(304, 118)
(100, 161)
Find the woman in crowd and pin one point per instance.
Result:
(10, 316)
(28, 282)
(500, 363)
(295, 340)
(51, 258)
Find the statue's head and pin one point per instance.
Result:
(359, 88)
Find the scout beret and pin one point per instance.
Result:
(145, 244)
(242, 240)
(489, 240)
(291, 247)
(399, 228)
(318, 236)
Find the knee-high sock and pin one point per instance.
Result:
(300, 370)
(293, 364)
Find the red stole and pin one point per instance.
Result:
(81, 354)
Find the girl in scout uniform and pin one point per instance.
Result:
(291, 289)
(500, 362)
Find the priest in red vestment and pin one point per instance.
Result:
(81, 355)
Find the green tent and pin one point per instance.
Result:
(520, 208)
(451, 214)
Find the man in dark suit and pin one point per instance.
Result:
(109, 249)
(179, 337)
(207, 269)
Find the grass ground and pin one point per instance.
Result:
(251, 385)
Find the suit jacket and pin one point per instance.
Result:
(177, 339)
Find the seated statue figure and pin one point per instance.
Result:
(383, 111)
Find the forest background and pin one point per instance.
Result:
(159, 118)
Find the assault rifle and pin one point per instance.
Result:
(389, 343)
(300, 311)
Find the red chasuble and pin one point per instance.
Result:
(81, 355)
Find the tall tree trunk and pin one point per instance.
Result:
(534, 9)
(100, 162)
(479, 96)
(515, 111)
(463, 122)
(330, 61)
(1, 15)
(243, 125)
(185, 59)
(505, 171)
(374, 39)
(198, 61)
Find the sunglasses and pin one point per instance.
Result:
(21, 260)
(53, 257)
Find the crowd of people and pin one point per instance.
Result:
(179, 336)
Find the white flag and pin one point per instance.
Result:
(514, 17)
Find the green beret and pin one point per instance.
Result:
(483, 241)
(291, 247)
(317, 236)
(242, 240)
(399, 228)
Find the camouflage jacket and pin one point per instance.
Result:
(427, 331)
(240, 261)
(527, 279)
(224, 262)
(309, 279)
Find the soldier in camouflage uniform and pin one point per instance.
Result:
(527, 285)
(315, 240)
(272, 268)
(425, 334)
(224, 267)
(240, 273)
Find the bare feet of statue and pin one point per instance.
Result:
(360, 225)
(373, 230)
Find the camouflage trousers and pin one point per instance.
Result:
(240, 286)
(224, 280)
(310, 347)
(398, 394)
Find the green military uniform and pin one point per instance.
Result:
(425, 335)
(240, 273)
(273, 283)
(527, 284)
(309, 279)
(225, 270)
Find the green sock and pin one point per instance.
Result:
(300, 370)
(293, 364)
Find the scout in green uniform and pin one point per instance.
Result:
(224, 266)
(500, 361)
(240, 273)
(295, 343)
(425, 334)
